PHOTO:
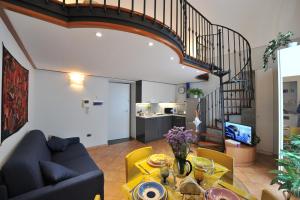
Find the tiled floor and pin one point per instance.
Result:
(111, 160)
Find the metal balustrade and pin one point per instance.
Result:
(216, 48)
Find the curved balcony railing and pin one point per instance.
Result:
(200, 43)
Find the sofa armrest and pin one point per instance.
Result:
(83, 187)
(3, 192)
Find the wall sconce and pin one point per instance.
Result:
(76, 79)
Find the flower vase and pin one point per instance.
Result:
(182, 167)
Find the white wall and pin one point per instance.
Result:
(264, 110)
(9, 144)
(59, 110)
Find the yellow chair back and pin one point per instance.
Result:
(97, 197)
(266, 195)
(218, 157)
(131, 158)
(294, 131)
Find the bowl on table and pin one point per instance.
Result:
(204, 164)
(220, 194)
(150, 191)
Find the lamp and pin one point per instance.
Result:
(76, 79)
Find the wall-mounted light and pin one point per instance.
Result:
(76, 79)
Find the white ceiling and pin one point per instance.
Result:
(258, 20)
(116, 54)
(127, 56)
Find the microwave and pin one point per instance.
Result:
(169, 110)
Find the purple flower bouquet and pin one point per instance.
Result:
(180, 140)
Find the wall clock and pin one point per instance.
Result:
(181, 90)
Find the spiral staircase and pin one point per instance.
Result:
(198, 42)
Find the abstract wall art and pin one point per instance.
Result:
(15, 81)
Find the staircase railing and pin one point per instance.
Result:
(221, 50)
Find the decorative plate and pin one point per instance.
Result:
(157, 160)
(220, 194)
(135, 195)
(151, 191)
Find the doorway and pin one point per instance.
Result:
(119, 112)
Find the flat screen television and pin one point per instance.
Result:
(238, 132)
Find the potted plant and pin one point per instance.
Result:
(282, 40)
(288, 176)
(195, 92)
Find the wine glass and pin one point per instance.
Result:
(164, 173)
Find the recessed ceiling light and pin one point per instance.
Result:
(172, 58)
(183, 67)
(198, 71)
(98, 34)
(150, 44)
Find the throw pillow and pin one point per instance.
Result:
(54, 173)
(73, 140)
(57, 144)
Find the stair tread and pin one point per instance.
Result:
(236, 90)
(212, 135)
(232, 113)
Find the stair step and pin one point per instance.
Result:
(211, 145)
(232, 113)
(234, 82)
(238, 106)
(210, 135)
(234, 99)
(236, 90)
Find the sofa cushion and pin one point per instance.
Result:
(54, 173)
(82, 164)
(21, 172)
(73, 140)
(3, 189)
(57, 144)
(73, 151)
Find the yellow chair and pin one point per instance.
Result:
(220, 158)
(139, 154)
(294, 131)
(266, 195)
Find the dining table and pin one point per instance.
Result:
(213, 180)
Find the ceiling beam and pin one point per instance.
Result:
(15, 35)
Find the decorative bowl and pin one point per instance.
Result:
(220, 194)
(203, 164)
(151, 191)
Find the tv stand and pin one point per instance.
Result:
(242, 154)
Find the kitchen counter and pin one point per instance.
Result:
(161, 115)
(154, 127)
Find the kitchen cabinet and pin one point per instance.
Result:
(178, 121)
(153, 92)
(149, 129)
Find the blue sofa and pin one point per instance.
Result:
(21, 177)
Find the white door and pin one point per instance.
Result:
(119, 106)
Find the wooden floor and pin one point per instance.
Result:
(111, 160)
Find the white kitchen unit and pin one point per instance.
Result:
(153, 92)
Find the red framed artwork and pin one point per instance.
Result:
(14, 110)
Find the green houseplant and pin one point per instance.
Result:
(288, 177)
(195, 92)
(270, 52)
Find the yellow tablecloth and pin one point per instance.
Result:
(149, 173)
